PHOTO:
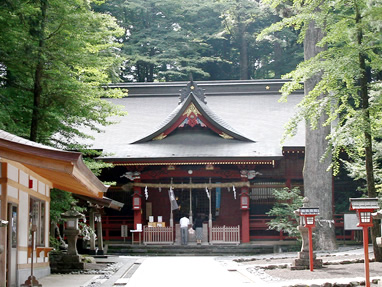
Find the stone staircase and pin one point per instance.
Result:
(193, 249)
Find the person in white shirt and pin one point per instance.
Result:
(184, 223)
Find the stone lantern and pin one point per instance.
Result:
(70, 261)
(72, 231)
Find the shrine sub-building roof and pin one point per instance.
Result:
(65, 170)
(200, 123)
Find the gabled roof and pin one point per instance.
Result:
(193, 111)
(65, 170)
(251, 107)
(363, 203)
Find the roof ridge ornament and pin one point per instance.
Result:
(193, 88)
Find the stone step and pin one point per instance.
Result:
(128, 249)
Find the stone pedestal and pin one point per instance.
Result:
(65, 263)
(302, 262)
(31, 282)
(72, 235)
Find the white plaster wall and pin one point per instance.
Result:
(22, 257)
(13, 192)
(13, 173)
(41, 187)
(47, 222)
(24, 178)
(23, 225)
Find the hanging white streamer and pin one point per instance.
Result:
(321, 222)
(234, 192)
(208, 194)
(146, 193)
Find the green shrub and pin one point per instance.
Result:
(287, 201)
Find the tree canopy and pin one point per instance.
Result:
(212, 40)
(350, 79)
(55, 56)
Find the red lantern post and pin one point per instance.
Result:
(364, 207)
(309, 214)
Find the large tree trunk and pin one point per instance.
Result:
(243, 52)
(318, 184)
(371, 190)
(37, 89)
(277, 50)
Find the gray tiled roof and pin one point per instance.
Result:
(258, 117)
(13, 138)
(214, 119)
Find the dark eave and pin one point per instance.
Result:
(103, 202)
(200, 161)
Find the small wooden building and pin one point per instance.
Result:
(209, 148)
(28, 171)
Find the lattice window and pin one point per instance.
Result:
(263, 192)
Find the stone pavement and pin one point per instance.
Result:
(104, 273)
(342, 268)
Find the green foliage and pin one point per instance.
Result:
(351, 32)
(61, 201)
(54, 242)
(287, 201)
(163, 40)
(168, 40)
(55, 56)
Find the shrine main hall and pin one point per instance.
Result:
(210, 149)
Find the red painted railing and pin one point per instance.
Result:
(111, 226)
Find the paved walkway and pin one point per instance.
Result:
(223, 271)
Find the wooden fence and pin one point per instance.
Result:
(158, 235)
(225, 234)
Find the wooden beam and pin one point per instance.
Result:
(192, 185)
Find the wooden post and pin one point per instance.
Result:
(311, 263)
(99, 235)
(92, 235)
(191, 220)
(366, 251)
(137, 213)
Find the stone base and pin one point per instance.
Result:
(303, 262)
(31, 282)
(65, 263)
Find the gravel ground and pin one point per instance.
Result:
(344, 267)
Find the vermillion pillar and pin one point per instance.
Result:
(244, 206)
(137, 201)
(246, 175)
